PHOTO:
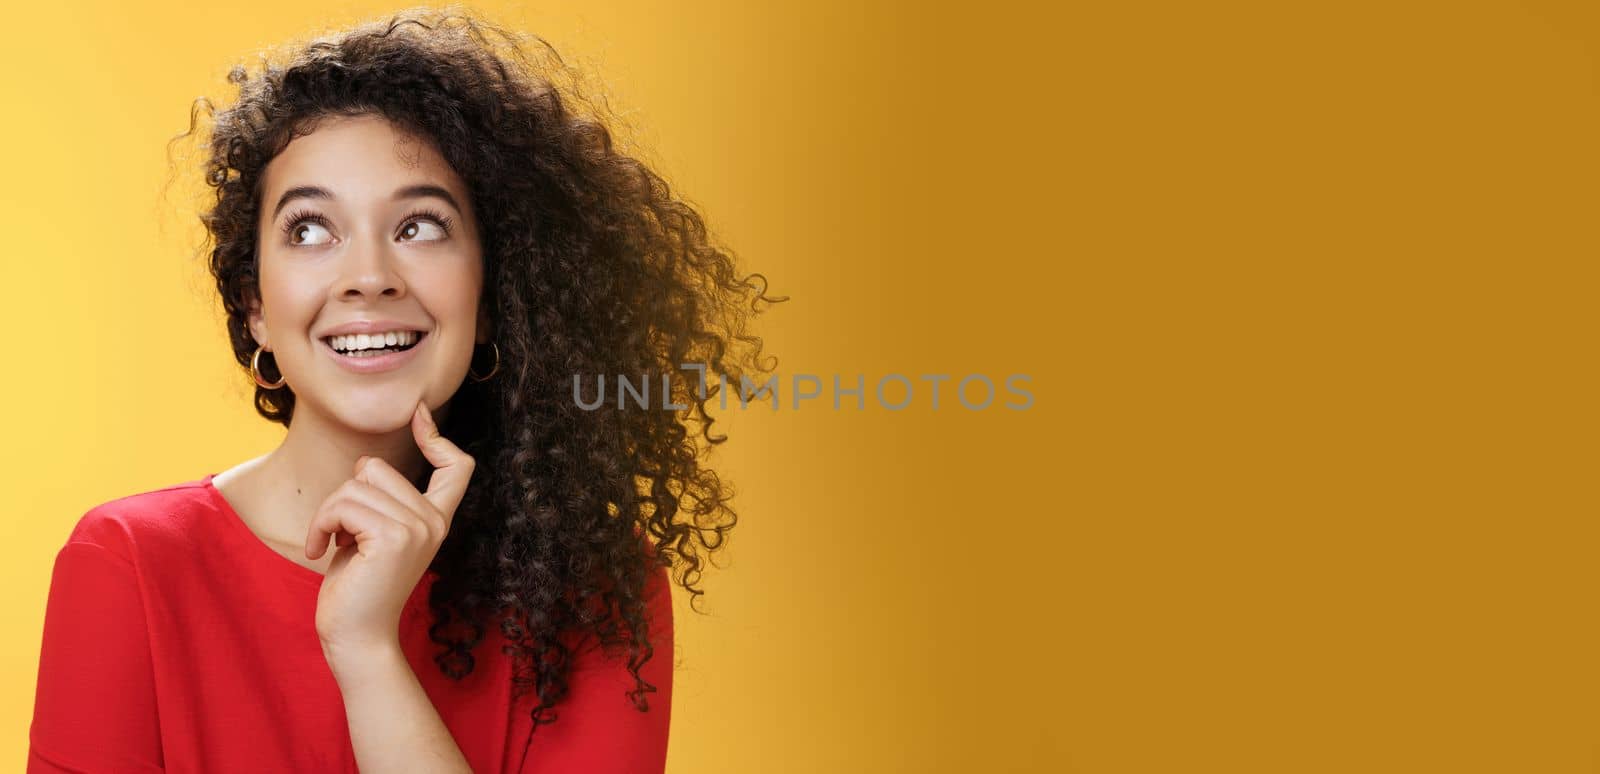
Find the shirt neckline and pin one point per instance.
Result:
(302, 574)
(237, 525)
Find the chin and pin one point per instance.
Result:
(377, 414)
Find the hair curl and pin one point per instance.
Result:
(592, 267)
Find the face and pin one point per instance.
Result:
(362, 223)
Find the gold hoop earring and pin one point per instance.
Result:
(255, 371)
(492, 371)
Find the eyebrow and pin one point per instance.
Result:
(408, 192)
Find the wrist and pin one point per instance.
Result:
(347, 658)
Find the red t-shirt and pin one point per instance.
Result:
(175, 640)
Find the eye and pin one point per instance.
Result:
(424, 222)
(303, 226)
(416, 228)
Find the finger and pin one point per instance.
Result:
(452, 466)
(382, 475)
(341, 539)
(358, 520)
(357, 490)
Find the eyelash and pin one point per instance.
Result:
(307, 216)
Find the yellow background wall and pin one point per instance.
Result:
(1306, 292)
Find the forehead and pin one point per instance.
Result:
(359, 158)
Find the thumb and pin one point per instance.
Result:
(452, 466)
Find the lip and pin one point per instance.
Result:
(377, 364)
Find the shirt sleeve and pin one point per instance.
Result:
(95, 707)
(598, 729)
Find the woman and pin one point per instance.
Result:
(423, 249)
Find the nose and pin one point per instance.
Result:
(369, 270)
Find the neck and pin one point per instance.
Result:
(318, 455)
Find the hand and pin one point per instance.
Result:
(387, 534)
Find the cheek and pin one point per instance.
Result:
(450, 295)
(288, 301)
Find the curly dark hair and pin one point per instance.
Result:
(592, 266)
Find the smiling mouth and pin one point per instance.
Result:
(358, 354)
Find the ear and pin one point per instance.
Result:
(257, 322)
(485, 326)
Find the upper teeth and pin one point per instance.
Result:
(372, 341)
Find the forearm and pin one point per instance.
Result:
(393, 725)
